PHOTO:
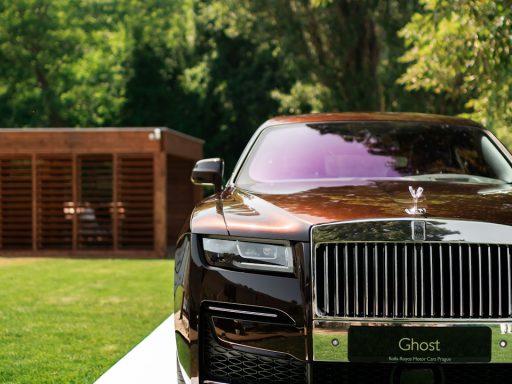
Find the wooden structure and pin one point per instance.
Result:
(121, 192)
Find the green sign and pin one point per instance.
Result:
(419, 344)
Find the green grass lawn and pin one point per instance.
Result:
(68, 321)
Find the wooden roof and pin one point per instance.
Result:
(100, 140)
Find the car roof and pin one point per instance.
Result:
(371, 116)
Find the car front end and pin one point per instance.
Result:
(328, 279)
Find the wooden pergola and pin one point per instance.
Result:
(95, 192)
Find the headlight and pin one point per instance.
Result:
(246, 255)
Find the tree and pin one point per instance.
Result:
(61, 63)
(161, 44)
(337, 54)
(256, 59)
(462, 49)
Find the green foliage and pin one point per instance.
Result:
(330, 50)
(257, 59)
(162, 38)
(462, 49)
(68, 63)
(57, 328)
(233, 77)
(60, 63)
(217, 69)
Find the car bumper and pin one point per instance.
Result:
(243, 328)
(270, 353)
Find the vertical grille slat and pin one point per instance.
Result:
(337, 280)
(422, 284)
(346, 278)
(480, 288)
(326, 280)
(432, 298)
(489, 267)
(366, 278)
(441, 280)
(406, 284)
(375, 283)
(500, 311)
(386, 298)
(414, 280)
(461, 283)
(395, 279)
(509, 274)
(450, 275)
(470, 258)
(356, 276)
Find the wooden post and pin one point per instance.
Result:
(76, 203)
(160, 203)
(34, 202)
(115, 208)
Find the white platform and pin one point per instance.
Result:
(152, 361)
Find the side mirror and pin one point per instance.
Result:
(208, 172)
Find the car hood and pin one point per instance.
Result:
(287, 211)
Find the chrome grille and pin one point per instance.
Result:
(413, 280)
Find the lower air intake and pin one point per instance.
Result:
(237, 367)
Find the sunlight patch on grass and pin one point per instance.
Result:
(6, 261)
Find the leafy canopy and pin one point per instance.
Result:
(462, 49)
(217, 69)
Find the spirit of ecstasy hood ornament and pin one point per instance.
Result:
(416, 194)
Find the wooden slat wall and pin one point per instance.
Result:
(54, 198)
(95, 202)
(16, 202)
(135, 186)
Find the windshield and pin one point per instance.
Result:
(374, 150)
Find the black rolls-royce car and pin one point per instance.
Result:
(350, 248)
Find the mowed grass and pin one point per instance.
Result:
(68, 321)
